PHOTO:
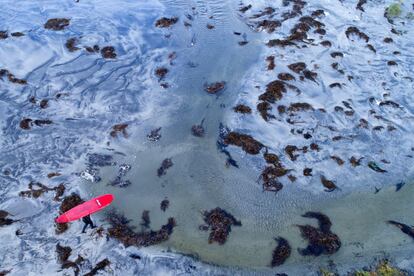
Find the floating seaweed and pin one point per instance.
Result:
(119, 128)
(161, 72)
(71, 44)
(221, 145)
(214, 88)
(17, 34)
(281, 253)
(285, 77)
(99, 266)
(321, 240)
(108, 52)
(268, 25)
(297, 67)
(373, 166)
(198, 130)
(35, 193)
(164, 204)
(12, 78)
(355, 161)
(245, 8)
(246, 142)
(121, 231)
(274, 91)
(44, 103)
(307, 172)
(360, 5)
(145, 219)
(241, 108)
(4, 220)
(271, 62)
(337, 54)
(68, 203)
(4, 34)
(406, 229)
(210, 26)
(264, 108)
(165, 22)
(355, 31)
(165, 165)
(57, 24)
(219, 222)
(154, 135)
(328, 184)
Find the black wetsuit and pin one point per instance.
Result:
(88, 221)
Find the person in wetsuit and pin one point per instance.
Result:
(88, 221)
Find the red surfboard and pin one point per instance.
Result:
(89, 207)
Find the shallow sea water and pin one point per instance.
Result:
(99, 93)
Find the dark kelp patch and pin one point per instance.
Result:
(214, 88)
(4, 220)
(321, 240)
(355, 31)
(165, 203)
(165, 165)
(264, 108)
(241, 108)
(165, 22)
(35, 193)
(154, 135)
(122, 231)
(406, 229)
(161, 72)
(281, 253)
(270, 62)
(328, 184)
(246, 142)
(57, 24)
(71, 44)
(119, 128)
(98, 267)
(219, 222)
(68, 203)
(108, 52)
(12, 78)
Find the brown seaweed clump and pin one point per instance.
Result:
(270, 178)
(165, 165)
(406, 229)
(264, 108)
(246, 142)
(4, 220)
(297, 67)
(4, 34)
(274, 91)
(99, 266)
(119, 128)
(71, 44)
(220, 223)
(357, 32)
(214, 88)
(63, 254)
(297, 107)
(245, 8)
(27, 123)
(197, 130)
(165, 22)
(328, 184)
(57, 24)
(35, 193)
(281, 253)
(164, 204)
(338, 160)
(108, 52)
(241, 108)
(121, 231)
(268, 25)
(285, 77)
(12, 78)
(270, 62)
(321, 240)
(68, 203)
(17, 34)
(161, 72)
(360, 5)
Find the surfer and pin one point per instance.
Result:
(88, 221)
